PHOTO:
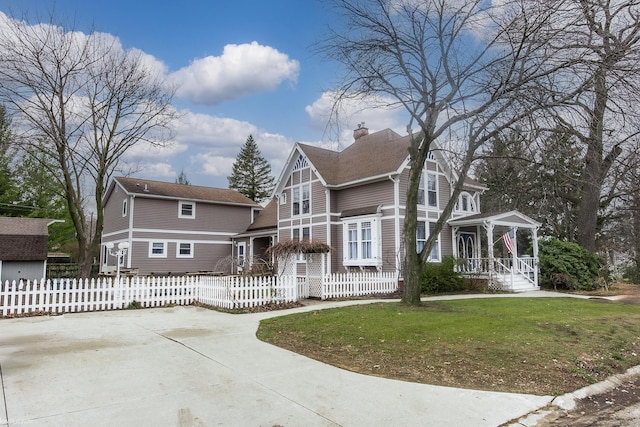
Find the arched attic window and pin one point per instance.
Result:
(301, 163)
(466, 203)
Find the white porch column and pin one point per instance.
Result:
(514, 255)
(454, 241)
(534, 237)
(489, 227)
(478, 252)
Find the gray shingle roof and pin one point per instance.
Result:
(149, 188)
(377, 154)
(267, 218)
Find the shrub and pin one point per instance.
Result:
(632, 272)
(441, 277)
(567, 265)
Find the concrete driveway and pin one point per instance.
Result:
(188, 366)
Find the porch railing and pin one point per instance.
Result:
(502, 268)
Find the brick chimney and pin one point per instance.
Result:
(360, 132)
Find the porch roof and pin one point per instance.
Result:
(508, 219)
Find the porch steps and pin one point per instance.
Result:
(520, 284)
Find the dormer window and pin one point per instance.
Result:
(466, 203)
(186, 210)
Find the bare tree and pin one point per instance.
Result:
(82, 101)
(462, 70)
(600, 41)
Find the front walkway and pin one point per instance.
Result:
(187, 366)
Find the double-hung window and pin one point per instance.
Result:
(421, 190)
(301, 233)
(301, 200)
(428, 190)
(432, 190)
(421, 240)
(360, 242)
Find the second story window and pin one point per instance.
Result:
(432, 190)
(428, 190)
(466, 203)
(124, 207)
(301, 204)
(186, 210)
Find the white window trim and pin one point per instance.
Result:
(191, 247)
(426, 190)
(300, 230)
(471, 205)
(193, 209)
(376, 258)
(283, 198)
(427, 225)
(297, 190)
(124, 208)
(164, 249)
(423, 189)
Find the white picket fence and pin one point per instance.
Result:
(359, 284)
(231, 292)
(242, 292)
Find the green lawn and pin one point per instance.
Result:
(527, 345)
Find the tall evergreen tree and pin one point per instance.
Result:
(251, 174)
(182, 178)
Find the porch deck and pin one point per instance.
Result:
(503, 274)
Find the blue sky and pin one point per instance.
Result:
(244, 67)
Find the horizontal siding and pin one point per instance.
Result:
(379, 193)
(114, 221)
(207, 257)
(181, 236)
(389, 252)
(318, 198)
(163, 215)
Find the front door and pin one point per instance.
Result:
(467, 251)
(242, 247)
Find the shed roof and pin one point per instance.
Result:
(24, 239)
(24, 226)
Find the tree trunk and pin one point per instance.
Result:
(592, 175)
(413, 260)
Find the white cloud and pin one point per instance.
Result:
(240, 70)
(211, 131)
(144, 150)
(350, 113)
(213, 165)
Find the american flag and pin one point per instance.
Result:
(508, 242)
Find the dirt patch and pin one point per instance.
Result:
(619, 406)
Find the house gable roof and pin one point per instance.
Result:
(371, 157)
(167, 190)
(375, 155)
(508, 219)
